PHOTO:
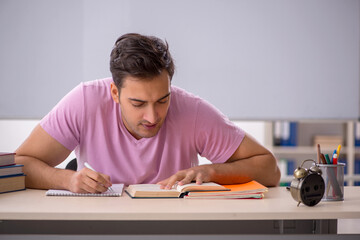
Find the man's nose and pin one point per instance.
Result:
(151, 114)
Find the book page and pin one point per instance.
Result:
(209, 186)
(150, 190)
(149, 187)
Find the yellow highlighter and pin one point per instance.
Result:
(338, 151)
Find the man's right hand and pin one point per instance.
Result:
(89, 181)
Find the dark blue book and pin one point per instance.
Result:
(11, 170)
(11, 183)
(289, 134)
(357, 166)
(290, 167)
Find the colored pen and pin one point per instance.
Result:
(338, 150)
(327, 158)
(334, 159)
(90, 167)
(322, 157)
(318, 153)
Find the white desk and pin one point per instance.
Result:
(32, 212)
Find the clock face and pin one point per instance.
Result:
(312, 189)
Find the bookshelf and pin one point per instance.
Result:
(305, 147)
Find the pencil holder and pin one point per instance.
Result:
(333, 175)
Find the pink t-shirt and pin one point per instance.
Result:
(88, 121)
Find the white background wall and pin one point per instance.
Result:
(14, 132)
(254, 60)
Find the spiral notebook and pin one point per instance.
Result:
(117, 192)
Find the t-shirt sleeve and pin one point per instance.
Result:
(216, 136)
(64, 121)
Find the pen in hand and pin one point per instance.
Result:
(91, 168)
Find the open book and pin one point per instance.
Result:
(251, 189)
(154, 190)
(115, 191)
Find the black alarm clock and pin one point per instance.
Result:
(308, 185)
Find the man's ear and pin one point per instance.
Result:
(114, 92)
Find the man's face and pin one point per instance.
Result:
(143, 103)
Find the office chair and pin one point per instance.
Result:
(72, 165)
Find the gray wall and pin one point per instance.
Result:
(254, 60)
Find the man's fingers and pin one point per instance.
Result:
(189, 177)
(86, 188)
(99, 178)
(90, 181)
(171, 182)
(92, 186)
(198, 174)
(184, 177)
(199, 178)
(107, 180)
(163, 183)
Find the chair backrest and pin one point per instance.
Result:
(72, 165)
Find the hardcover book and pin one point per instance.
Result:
(11, 170)
(154, 190)
(7, 158)
(12, 183)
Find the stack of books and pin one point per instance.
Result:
(12, 177)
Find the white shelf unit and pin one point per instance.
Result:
(305, 148)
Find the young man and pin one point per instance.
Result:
(137, 128)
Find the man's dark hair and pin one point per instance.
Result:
(139, 56)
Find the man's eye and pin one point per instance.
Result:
(164, 101)
(138, 105)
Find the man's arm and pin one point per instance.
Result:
(250, 161)
(40, 153)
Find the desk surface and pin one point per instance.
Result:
(277, 204)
